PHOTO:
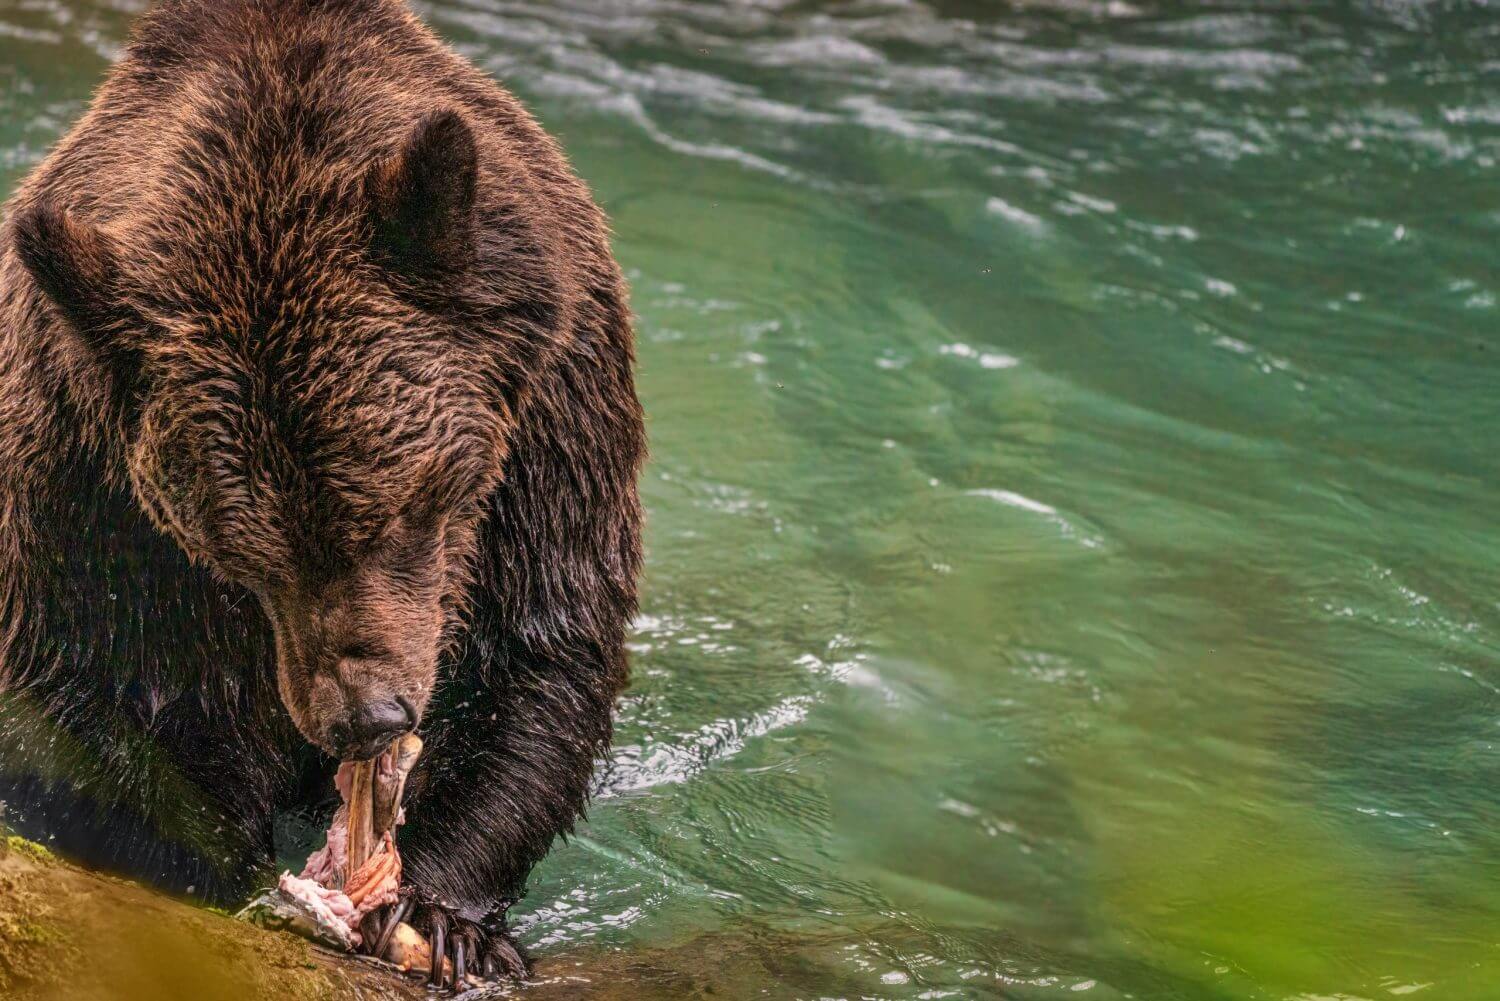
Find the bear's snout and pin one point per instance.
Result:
(371, 726)
(355, 671)
(355, 709)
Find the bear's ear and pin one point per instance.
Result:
(422, 199)
(74, 264)
(77, 267)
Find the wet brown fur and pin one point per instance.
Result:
(315, 377)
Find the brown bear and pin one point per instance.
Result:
(317, 420)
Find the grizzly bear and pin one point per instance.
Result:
(317, 425)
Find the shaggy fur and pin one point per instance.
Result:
(315, 388)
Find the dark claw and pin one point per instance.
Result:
(369, 927)
(514, 965)
(460, 962)
(389, 928)
(437, 939)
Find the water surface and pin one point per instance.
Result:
(1073, 505)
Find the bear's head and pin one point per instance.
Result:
(307, 371)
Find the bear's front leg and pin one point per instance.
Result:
(507, 767)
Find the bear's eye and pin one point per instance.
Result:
(403, 540)
(359, 651)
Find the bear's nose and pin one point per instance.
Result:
(370, 728)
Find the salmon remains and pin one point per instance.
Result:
(358, 870)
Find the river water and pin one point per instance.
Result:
(1073, 507)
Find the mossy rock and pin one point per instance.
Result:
(70, 934)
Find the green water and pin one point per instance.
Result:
(1073, 508)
